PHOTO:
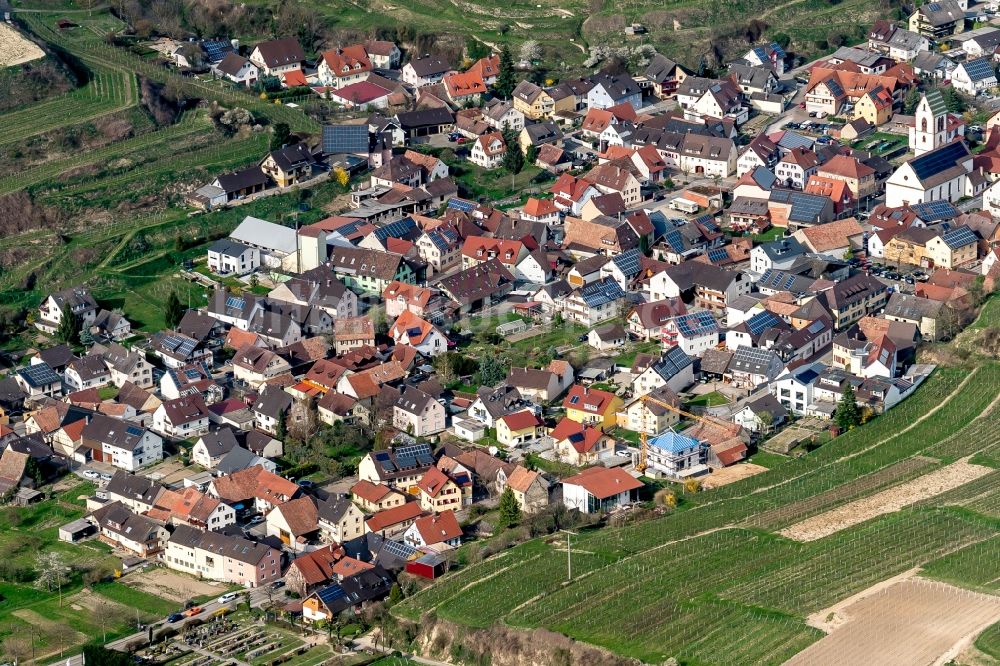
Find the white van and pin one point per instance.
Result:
(684, 205)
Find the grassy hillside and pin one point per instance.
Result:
(684, 29)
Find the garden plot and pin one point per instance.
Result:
(726, 475)
(887, 501)
(15, 48)
(169, 585)
(910, 622)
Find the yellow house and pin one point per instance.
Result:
(533, 101)
(437, 492)
(874, 106)
(592, 407)
(953, 248)
(375, 497)
(519, 428)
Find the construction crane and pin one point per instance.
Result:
(733, 428)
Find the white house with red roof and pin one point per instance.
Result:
(442, 528)
(600, 489)
(579, 444)
(478, 250)
(361, 94)
(409, 329)
(342, 67)
(488, 151)
(540, 210)
(572, 194)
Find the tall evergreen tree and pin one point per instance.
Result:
(69, 327)
(847, 415)
(174, 311)
(510, 510)
(513, 158)
(505, 77)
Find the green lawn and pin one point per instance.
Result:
(129, 596)
(772, 234)
(767, 459)
(712, 399)
(633, 349)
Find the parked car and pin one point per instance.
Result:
(191, 612)
(174, 617)
(256, 520)
(227, 597)
(105, 476)
(91, 474)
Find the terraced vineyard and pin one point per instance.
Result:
(678, 585)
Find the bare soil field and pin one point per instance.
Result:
(913, 621)
(887, 501)
(727, 475)
(16, 49)
(170, 585)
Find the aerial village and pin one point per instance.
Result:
(704, 271)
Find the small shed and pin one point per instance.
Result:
(468, 429)
(76, 530)
(26, 496)
(429, 566)
(512, 327)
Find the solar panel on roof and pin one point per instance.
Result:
(933, 211)
(399, 549)
(959, 237)
(39, 374)
(938, 160)
(628, 262)
(461, 204)
(718, 255)
(186, 347)
(816, 327)
(763, 320)
(675, 240)
(345, 139)
(980, 69)
(330, 594)
(788, 282)
(216, 49)
(696, 323)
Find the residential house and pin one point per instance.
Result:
(488, 151)
(600, 489)
(860, 178)
(397, 467)
(673, 369)
(182, 418)
(761, 415)
(425, 70)
(228, 257)
(238, 69)
(440, 529)
(519, 428)
(751, 367)
(531, 100)
(87, 372)
(375, 497)
(531, 490)
(271, 408)
(580, 444)
(342, 67)
(613, 90)
(539, 385)
(370, 271)
(409, 329)
(122, 444)
(290, 165)
(941, 174)
(276, 57)
(77, 300)
(675, 456)
(253, 486)
(390, 523)
(651, 416)
(591, 406)
(383, 54)
(418, 413)
(352, 333)
(212, 446)
(939, 20)
(221, 557)
(122, 529)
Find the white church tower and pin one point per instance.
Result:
(930, 127)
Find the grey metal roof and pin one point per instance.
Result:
(261, 233)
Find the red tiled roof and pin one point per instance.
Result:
(602, 482)
(439, 528)
(521, 420)
(393, 516)
(592, 401)
(370, 492)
